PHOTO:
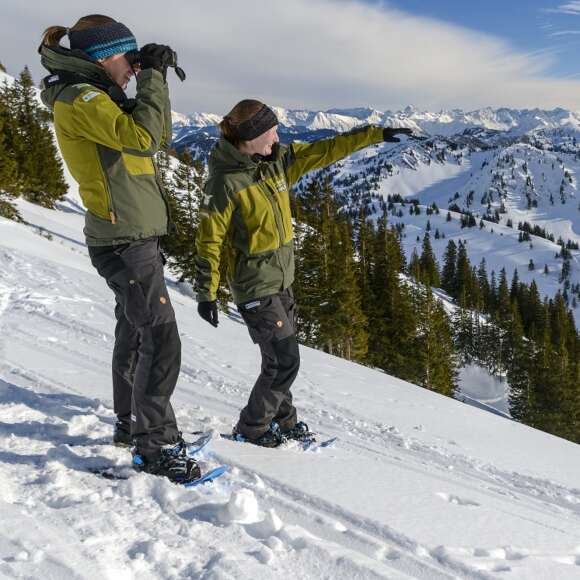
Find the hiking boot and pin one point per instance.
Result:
(172, 462)
(122, 435)
(299, 432)
(271, 438)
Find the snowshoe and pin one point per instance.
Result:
(172, 462)
(299, 432)
(271, 438)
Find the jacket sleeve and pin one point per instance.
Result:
(301, 158)
(142, 132)
(167, 136)
(215, 217)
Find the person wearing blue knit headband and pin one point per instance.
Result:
(108, 142)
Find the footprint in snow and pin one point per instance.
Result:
(454, 499)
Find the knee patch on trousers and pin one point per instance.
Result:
(287, 359)
(166, 359)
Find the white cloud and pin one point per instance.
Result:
(312, 53)
(572, 8)
(565, 33)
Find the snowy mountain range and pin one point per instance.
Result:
(514, 122)
(505, 166)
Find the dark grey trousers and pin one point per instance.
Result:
(147, 351)
(271, 324)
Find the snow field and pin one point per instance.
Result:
(418, 486)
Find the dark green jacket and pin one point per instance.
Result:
(246, 206)
(109, 151)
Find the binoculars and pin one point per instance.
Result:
(134, 58)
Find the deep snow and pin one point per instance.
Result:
(418, 485)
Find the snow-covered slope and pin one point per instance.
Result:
(5, 78)
(418, 486)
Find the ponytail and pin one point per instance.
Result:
(54, 34)
(228, 131)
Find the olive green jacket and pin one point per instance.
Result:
(246, 206)
(109, 151)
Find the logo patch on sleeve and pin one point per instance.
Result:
(90, 95)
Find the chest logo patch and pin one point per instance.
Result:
(280, 185)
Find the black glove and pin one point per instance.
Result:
(390, 132)
(157, 56)
(208, 311)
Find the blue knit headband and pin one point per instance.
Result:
(104, 40)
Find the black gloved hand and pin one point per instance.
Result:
(390, 132)
(157, 56)
(208, 311)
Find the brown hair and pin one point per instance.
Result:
(243, 111)
(54, 34)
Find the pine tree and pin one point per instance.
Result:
(449, 269)
(363, 250)
(184, 195)
(391, 315)
(515, 287)
(39, 164)
(8, 166)
(415, 270)
(463, 277)
(484, 286)
(323, 210)
(533, 315)
(520, 396)
(503, 301)
(348, 330)
(429, 268)
(435, 353)
(308, 288)
(464, 335)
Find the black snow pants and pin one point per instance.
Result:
(271, 324)
(147, 352)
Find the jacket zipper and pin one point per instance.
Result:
(275, 208)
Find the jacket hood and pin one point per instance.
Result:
(74, 62)
(225, 158)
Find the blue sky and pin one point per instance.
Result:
(322, 54)
(529, 25)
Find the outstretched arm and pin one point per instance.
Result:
(301, 158)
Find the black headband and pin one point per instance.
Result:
(263, 120)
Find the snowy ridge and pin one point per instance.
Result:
(418, 486)
(519, 181)
(195, 119)
(452, 122)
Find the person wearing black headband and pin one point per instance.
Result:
(246, 206)
(108, 143)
